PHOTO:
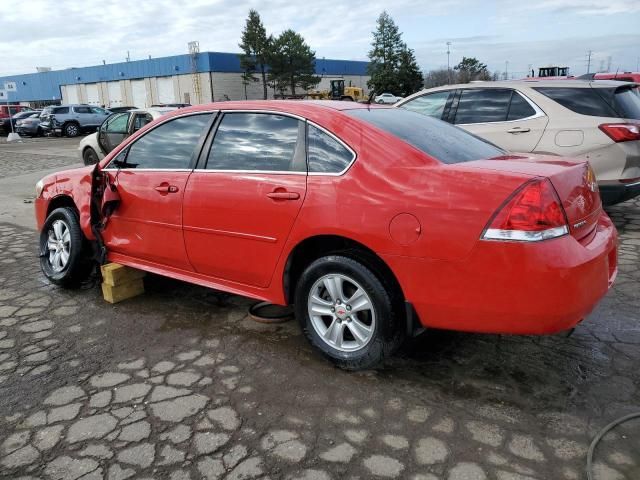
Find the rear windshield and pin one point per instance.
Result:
(618, 102)
(436, 138)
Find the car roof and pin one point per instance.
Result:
(159, 111)
(533, 82)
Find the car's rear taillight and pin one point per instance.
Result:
(621, 132)
(533, 213)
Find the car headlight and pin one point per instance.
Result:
(39, 188)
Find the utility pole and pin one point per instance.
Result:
(128, 57)
(448, 67)
(589, 53)
(506, 69)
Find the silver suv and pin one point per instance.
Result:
(72, 120)
(598, 121)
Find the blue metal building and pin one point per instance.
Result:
(46, 86)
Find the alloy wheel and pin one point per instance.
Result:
(59, 245)
(341, 312)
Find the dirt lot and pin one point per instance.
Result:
(180, 383)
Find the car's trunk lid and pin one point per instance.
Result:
(573, 180)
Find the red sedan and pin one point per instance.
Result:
(375, 222)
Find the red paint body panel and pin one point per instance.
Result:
(222, 230)
(233, 230)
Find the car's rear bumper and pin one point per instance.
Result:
(513, 287)
(617, 191)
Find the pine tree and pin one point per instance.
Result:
(384, 56)
(392, 67)
(292, 63)
(256, 46)
(409, 75)
(470, 68)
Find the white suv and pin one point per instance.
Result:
(595, 120)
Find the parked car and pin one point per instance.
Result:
(28, 123)
(598, 121)
(72, 120)
(5, 123)
(375, 222)
(114, 130)
(121, 109)
(5, 110)
(387, 98)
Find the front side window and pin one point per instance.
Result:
(431, 104)
(325, 153)
(117, 123)
(258, 141)
(585, 101)
(170, 145)
(483, 105)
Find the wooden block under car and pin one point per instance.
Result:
(123, 290)
(114, 274)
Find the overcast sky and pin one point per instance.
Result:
(68, 33)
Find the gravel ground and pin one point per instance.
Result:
(180, 384)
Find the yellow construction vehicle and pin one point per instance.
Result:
(339, 92)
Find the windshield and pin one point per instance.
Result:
(436, 138)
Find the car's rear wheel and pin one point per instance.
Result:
(346, 312)
(72, 130)
(64, 255)
(89, 156)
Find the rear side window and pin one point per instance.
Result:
(431, 104)
(585, 101)
(519, 108)
(436, 138)
(627, 101)
(61, 110)
(169, 146)
(483, 105)
(82, 109)
(325, 153)
(258, 141)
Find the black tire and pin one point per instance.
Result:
(71, 130)
(386, 335)
(89, 156)
(78, 265)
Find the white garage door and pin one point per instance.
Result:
(165, 90)
(70, 94)
(115, 94)
(139, 93)
(93, 98)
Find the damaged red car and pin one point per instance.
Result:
(375, 222)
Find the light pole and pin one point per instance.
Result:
(506, 69)
(448, 67)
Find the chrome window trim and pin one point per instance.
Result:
(539, 112)
(260, 172)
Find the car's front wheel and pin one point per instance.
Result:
(346, 312)
(89, 156)
(64, 257)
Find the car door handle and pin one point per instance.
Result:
(518, 130)
(283, 195)
(166, 188)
